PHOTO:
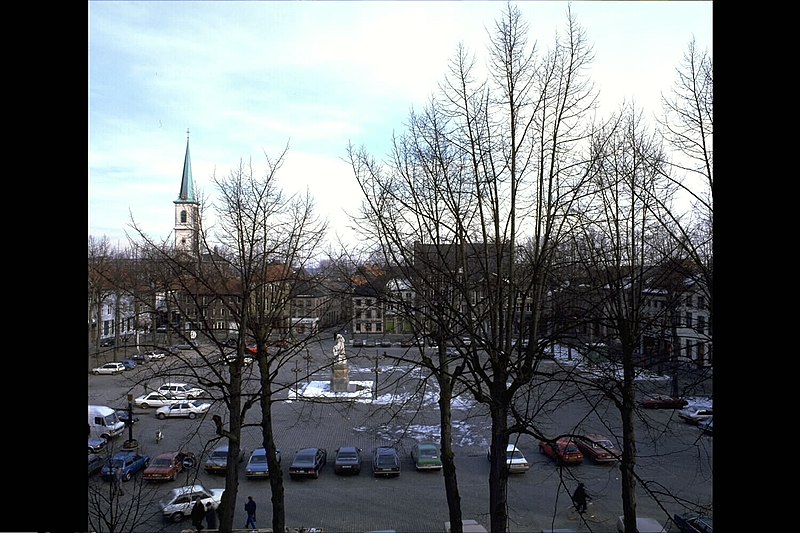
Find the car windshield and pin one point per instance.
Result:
(347, 456)
(514, 454)
(385, 459)
(571, 448)
(117, 463)
(258, 459)
(196, 403)
(305, 458)
(604, 444)
(161, 462)
(428, 453)
(220, 454)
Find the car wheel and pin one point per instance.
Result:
(145, 406)
(192, 416)
(126, 476)
(316, 475)
(161, 416)
(96, 373)
(177, 517)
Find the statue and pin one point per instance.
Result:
(338, 350)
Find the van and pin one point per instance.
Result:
(104, 422)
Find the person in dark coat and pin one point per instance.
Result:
(211, 516)
(198, 513)
(579, 498)
(250, 507)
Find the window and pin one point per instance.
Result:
(689, 301)
(688, 320)
(358, 302)
(701, 302)
(377, 327)
(183, 217)
(701, 324)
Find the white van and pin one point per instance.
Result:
(103, 422)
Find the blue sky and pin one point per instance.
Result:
(246, 78)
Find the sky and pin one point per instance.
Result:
(251, 78)
(464, 433)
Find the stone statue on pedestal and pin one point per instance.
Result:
(340, 380)
(338, 350)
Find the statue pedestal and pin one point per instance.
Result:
(340, 381)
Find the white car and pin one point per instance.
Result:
(153, 399)
(181, 391)
(695, 415)
(178, 503)
(109, 368)
(186, 408)
(155, 355)
(516, 462)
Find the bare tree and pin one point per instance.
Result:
(484, 165)
(687, 126)
(269, 239)
(618, 253)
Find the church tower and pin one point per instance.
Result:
(187, 211)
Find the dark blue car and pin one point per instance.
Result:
(129, 462)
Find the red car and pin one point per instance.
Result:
(167, 466)
(598, 448)
(564, 451)
(664, 402)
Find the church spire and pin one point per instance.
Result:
(186, 194)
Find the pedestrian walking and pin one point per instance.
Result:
(118, 480)
(579, 498)
(198, 513)
(211, 516)
(250, 507)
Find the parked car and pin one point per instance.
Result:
(96, 444)
(96, 462)
(257, 467)
(153, 399)
(122, 414)
(178, 502)
(408, 343)
(369, 343)
(348, 460)
(385, 462)
(185, 408)
(707, 426)
(166, 466)
(661, 401)
(129, 462)
(563, 451)
(108, 341)
(693, 523)
(140, 358)
(358, 343)
(643, 525)
(598, 448)
(217, 462)
(128, 363)
(156, 355)
(386, 343)
(109, 368)
(181, 391)
(230, 358)
(466, 341)
(515, 461)
(308, 462)
(695, 415)
(426, 456)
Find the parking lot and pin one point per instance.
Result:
(415, 501)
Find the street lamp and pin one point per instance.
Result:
(131, 443)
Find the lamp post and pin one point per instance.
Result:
(131, 443)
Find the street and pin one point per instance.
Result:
(678, 459)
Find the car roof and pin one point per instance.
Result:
(166, 455)
(511, 448)
(348, 449)
(187, 489)
(259, 451)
